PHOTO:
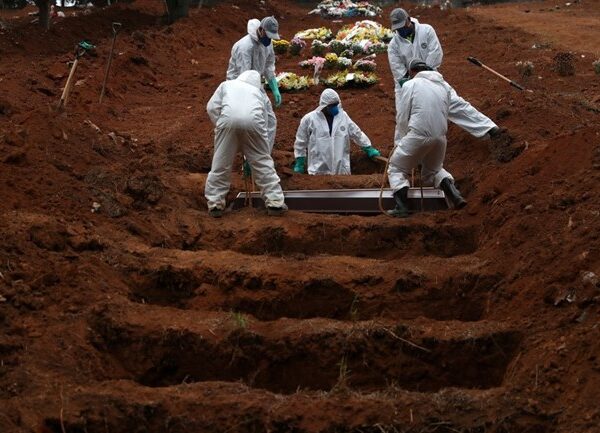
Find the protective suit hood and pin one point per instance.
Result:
(251, 77)
(252, 28)
(329, 96)
(434, 76)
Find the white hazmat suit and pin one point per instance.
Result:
(328, 153)
(238, 108)
(249, 54)
(421, 125)
(426, 47)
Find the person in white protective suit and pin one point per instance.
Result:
(238, 108)
(413, 39)
(421, 124)
(324, 135)
(255, 52)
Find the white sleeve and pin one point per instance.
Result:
(403, 107)
(357, 135)
(213, 108)
(302, 137)
(435, 55)
(270, 63)
(265, 114)
(243, 58)
(397, 62)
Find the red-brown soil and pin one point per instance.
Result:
(148, 316)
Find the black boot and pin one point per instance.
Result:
(496, 132)
(453, 194)
(401, 209)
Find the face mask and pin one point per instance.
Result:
(405, 31)
(265, 40)
(334, 110)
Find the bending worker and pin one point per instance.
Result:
(421, 126)
(255, 51)
(415, 40)
(324, 134)
(238, 108)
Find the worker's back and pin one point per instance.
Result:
(243, 104)
(429, 104)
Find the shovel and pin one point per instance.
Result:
(511, 82)
(115, 29)
(80, 50)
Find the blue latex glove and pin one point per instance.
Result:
(401, 81)
(371, 152)
(247, 172)
(299, 164)
(275, 89)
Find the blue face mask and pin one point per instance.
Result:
(265, 40)
(334, 110)
(405, 31)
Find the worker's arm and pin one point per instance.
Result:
(397, 61)
(360, 138)
(302, 137)
(301, 145)
(244, 57)
(435, 55)
(264, 124)
(269, 71)
(403, 107)
(357, 135)
(213, 108)
(232, 67)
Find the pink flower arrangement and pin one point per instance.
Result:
(317, 63)
(297, 45)
(365, 65)
(314, 61)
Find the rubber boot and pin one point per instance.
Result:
(277, 211)
(453, 194)
(496, 131)
(215, 212)
(401, 209)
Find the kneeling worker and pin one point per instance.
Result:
(325, 135)
(239, 110)
(421, 126)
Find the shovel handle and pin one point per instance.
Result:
(508, 80)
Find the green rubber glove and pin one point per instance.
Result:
(371, 152)
(275, 89)
(299, 164)
(247, 172)
(401, 81)
(86, 45)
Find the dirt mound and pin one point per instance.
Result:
(124, 307)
